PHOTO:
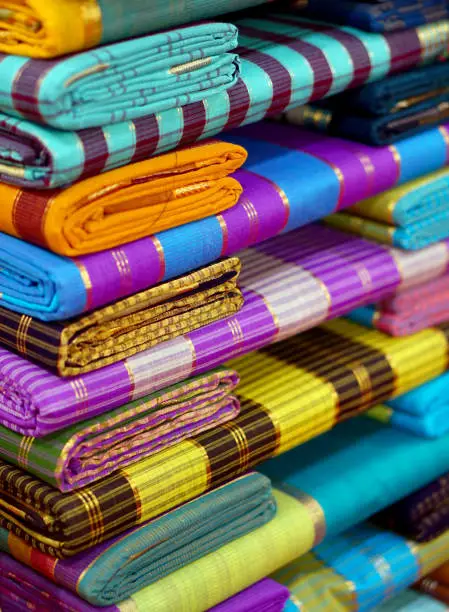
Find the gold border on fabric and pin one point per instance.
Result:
(312, 506)
(93, 22)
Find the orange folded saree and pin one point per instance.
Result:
(128, 203)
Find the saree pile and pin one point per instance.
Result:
(195, 587)
(360, 569)
(421, 516)
(376, 15)
(410, 216)
(108, 573)
(99, 87)
(310, 383)
(436, 584)
(49, 28)
(289, 285)
(126, 204)
(409, 310)
(113, 333)
(92, 449)
(383, 112)
(285, 61)
(424, 411)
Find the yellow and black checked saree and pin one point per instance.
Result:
(290, 392)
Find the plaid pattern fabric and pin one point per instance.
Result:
(187, 65)
(50, 28)
(84, 453)
(289, 285)
(197, 586)
(122, 329)
(423, 515)
(410, 216)
(379, 16)
(360, 569)
(285, 61)
(108, 573)
(336, 371)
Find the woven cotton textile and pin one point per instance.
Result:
(122, 81)
(378, 16)
(360, 569)
(329, 373)
(411, 601)
(84, 453)
(264, 596)
(108, 573)
(48, 28)
(128, 203)
(125, 328)
(285, 61)
(197, 586)
(289, 284)
(42, 284)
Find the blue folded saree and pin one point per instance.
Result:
(383, 16)
(121, 81)
(423, 411)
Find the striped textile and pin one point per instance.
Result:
(289, 285)
(125, 328)
(49, 28)
(360, 569)
(128, 203)
(285, 61)
(410, 216)
(408, 311)
(335, 371)
(122, 81)
(423, 515)
(108, 573)
(378, 16)
(341, 174)
(197, 586)
(92, 449)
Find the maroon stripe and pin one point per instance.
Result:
(26, 86)
(28, 215)
(279, 77)
(194, 116)
(405, 49)
(323, 78)
(95, 149)
(239, 105)
(147, 137)
(356, 49)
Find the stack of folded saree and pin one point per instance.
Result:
(410, 216)
(424, 411)
(285, 61)
(385, 111)
(310, 383)
(289, 284)
(376, 15)
(436, 584)
(422, 516)
(409, 310)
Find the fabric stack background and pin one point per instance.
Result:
(171, 307)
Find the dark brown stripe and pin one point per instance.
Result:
(28, 215)
(147, 137)
(194, 116)
(95, 149)
(26, 86)
(239, 104)
(405, 48)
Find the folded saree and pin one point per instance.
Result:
(92, 449)
(424, 411)
(196, 587)
(289, 284)
(289, 393)
(408, 311)
(264, 596)
(384, 16)
(436, 584)
(108, 573)
(125, 328)
(360, 569)
(42, 284)
(122, 81)
(49, 28)
(421, 516)
(123, 205)
(285, 61)
(410, 216)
